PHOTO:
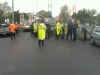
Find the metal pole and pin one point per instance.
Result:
(75, 12)
(36, 9)
(12, 10)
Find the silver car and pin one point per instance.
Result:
(95, 36)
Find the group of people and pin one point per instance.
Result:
(43, 30)
(14, 29)
(66, 30)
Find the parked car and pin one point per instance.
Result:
(95, 36)
(4, 30)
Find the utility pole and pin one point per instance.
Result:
(36, 10)
(75, 12)
(12, 10)
(50, 6)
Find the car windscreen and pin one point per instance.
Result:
(3, 25)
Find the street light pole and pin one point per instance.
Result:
(36, 10)
(12, 10)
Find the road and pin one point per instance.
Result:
(23, 56)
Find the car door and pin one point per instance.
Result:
(6, 28)
(97, 35)
(1, 29)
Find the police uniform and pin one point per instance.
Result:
(58, 30)
(69, 32)
(74, 31)
(85, 32)
(35, 28)
(41, 33)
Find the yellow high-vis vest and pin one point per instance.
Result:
(41, 31)
(58, 29)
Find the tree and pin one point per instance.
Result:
(25, 16)
(6, 7)
(43, 14)
(98, 17)
(1, 16)
(86, 15)
(64, 14)
(17, 16)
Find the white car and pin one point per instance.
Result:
(95, 36)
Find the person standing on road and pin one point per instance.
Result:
(57, 30)
(35, 28)
(74, 31)
(48, 30)
(17, 28)
(70, 25)
(32, 29)
(41, 33)
(85, 28)
(12, 30)
(62, 31)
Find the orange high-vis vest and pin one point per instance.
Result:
(12, 28)
(16, 25)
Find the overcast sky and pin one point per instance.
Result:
(30, 5)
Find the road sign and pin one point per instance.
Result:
(5, 15)
(78, 21)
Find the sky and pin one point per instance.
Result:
(37, 5)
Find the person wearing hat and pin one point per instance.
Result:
(70, 25)
(12, 30)
(41, 33)
(17, 28)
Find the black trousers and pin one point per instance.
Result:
(57, 36)
(12, 35)
(69, 33)
(17, 31)
(62, 36)
(35, 34)
(74, 36)
(85, 36)
(41, 42)
(47, 34)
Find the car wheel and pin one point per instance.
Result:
(2, 35)
(92, 42)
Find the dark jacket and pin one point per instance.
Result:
(75, 27)
(70, 25)
(48, 27)
(31, 27)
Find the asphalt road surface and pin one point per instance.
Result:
(23, 56)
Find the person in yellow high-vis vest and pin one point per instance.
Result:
(41, 33)
(35, 28)
(58, 30)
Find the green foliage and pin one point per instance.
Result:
(43, 14)
(17, 16)
(64, 14)
(98, 17)
(26, 17)
(86, 15)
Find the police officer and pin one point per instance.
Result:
(41, 33)
(31, 28)
(69, 32)
(62, 30)
(35, 28)
(48, 30)
(58, 30)
(74, 31)
(85, 32)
